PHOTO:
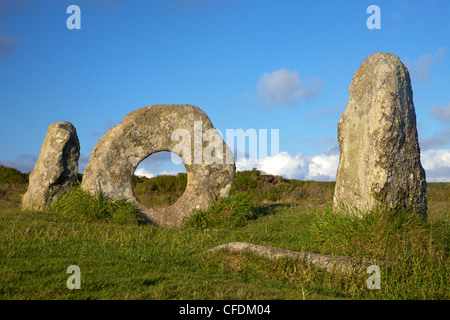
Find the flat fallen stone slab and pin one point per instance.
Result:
(327, 262)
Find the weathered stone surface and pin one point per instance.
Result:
(162, 128)
(377, 134)
(56, 167)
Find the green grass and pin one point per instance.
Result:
(123, 259)
(418, 249)
(81, 205)
(233, 211)
(116, 261)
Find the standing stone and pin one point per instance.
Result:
(184, 130)
(379, 150)
(56, 167)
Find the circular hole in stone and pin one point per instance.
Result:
(160, 180)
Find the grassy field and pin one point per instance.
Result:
(119, 258)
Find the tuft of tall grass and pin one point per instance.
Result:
(95, 208)
(417, 248)
(233, 211)
(378, 228)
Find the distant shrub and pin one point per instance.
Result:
(96, 208)
(244, 183)
(276, 189)
(12, 176)
(138, 179)
(233, 211)
(166, 183)
(253, 179)
(160, 191)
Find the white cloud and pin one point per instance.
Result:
(170, 173)
(436, 164)
(284, 87)
(420, 69)
(143, 173)
(282, 164)
(285, 165)
(323, 167)
(432, 159)
(299, 166)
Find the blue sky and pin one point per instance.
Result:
(249, 64)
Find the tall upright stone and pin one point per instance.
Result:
(379, 150)
(56, 167)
